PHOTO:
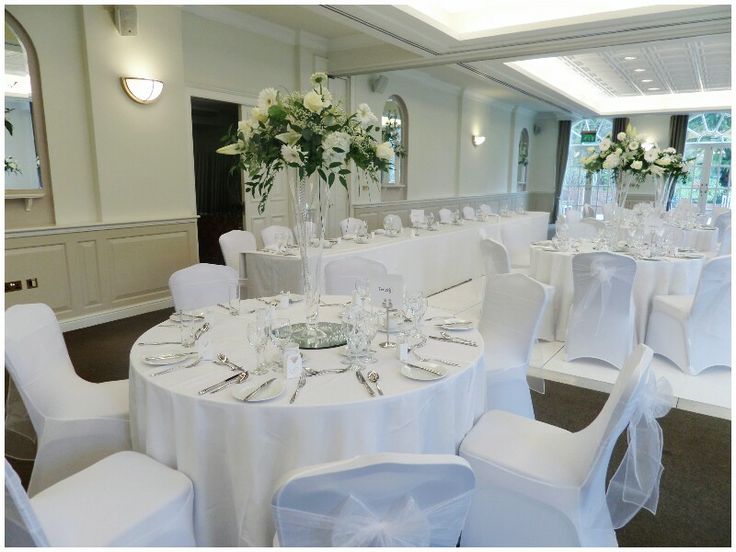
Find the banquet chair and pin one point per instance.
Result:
(341, 274)
(486, 209)
(545, 486)
(694, 331)
(233, 244)
(517, 240)
(77, 422)
(496, 261)
(268, 235)
(393, 219)
(125, 499)
(201, 285)
(509, 322)
(468, 213)
(350, 225)
(588, 211)
(386, 499)
(445, 215)
(417, 217)
(602, 314)
(723, 223)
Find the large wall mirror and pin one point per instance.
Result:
(521, 174)
(394, 130)
(26, 156)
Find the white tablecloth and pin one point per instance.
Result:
(666, 277)
(699, 239)
(431, 262)
(235, 452)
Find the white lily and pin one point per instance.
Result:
(290, 137)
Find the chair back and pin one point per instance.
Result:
(495, 257)
(341, 274)
(710, 315)
(350, 225)
(234, 243)
(392, 219)
(202, 285)
(486, 209)
(723, 223)
(517, 239)
(601, 316)
(445, 215)
(22, 528)
(387, 499)
(510, 318)
(268, 234)
(468, 213)
(573, 215)
(417, 216)
(588, 211)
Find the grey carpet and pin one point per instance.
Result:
(695, 491)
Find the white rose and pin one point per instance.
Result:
(670, 150)
(258, 115)
(365, 115)
(291, 156)
(612, 161)
(267, 98)
(636, 165)
(605, 144)
(384, 151)
(651, 155)
(664, 160)
(590, 150)
(621, 136)
(634, 145)
(685, 167)
(656, 170)
(313, 102)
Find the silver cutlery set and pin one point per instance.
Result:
(200, 331)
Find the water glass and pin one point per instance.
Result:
(415, 305)
(233, 298)
(258, 335)
(188, 326)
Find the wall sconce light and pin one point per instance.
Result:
(144, 91)
(478, 140)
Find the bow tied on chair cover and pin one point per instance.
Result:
(601, 277)
(635, 484)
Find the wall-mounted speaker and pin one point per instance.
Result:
(537, 129)
(126, 20)
(378, 83)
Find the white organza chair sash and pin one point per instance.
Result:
(404, 523)
(22, 527)
(598, 283)
(635, 484)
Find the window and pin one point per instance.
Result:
(521, 174)
(394, 130)
(708, 144)
(577, 190)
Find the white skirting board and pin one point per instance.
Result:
(93, 319)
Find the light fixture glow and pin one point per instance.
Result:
(478, 140)
(647, 80)
(629, 58)
(144, 91)
(640, 70)
(653, 88)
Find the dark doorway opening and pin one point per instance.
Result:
(219, 196)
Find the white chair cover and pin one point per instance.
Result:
(268, 234)
(509, 322)
(517, 240)
(350, 225)
(201, 285)
(125, 499)
(395, 219)
(341, 274)
(694, 331)
(573, 215)
(557, 478)
(588, 211)
(417, 216)
(445, 215)
(602, 315)
(468, 213)
(234, 243)
(384, 499)
(723, 223)
(77, 422)
(495, 256)
(486, 209)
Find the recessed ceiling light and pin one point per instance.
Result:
(653, 88)
(629, 58)
(646, 80)
(639, 70)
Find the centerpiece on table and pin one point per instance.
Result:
(314, 141)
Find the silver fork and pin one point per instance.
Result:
(178, 367)
(311, 372)
(427, 359)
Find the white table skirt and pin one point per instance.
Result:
(699, 239)
(235, 452)
(665, 277)
(431, 262)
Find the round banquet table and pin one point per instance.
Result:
(667, 276)
(704, 238)
(235, 452)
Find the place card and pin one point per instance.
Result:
(390, 286)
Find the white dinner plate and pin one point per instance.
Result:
(690, 256)
(168, 358)
(269, 392)
(421, 375)
(456, 324)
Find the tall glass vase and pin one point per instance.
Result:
(662, 189)
(310, 199)
(623, 180)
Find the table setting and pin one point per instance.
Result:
(241, 405)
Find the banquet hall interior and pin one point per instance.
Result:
(436, 274)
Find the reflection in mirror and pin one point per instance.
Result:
(23, 156)
(523, 161)
(394, 131)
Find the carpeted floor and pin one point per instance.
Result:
(695, 491)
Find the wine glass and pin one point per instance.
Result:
(258, 334)
(415, 305)
(356, 338)
(363, 291)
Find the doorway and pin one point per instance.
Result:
(219, 193)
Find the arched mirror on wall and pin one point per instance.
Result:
(522, 172)
(394, 129)
(26, 156)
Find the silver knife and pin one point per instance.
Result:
(302, 382)
(435, 372)
(257, 389)
(361, 379)
(161, 343)
(168, 356)
(177, 367)
(220, 385)
(469, 343)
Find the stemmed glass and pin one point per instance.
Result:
(258, 333)
(371, 325)
(356, 338)
(415, 305)
(430, 221)
(280, 335)
(363, 292)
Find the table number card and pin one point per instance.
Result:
(390, 286)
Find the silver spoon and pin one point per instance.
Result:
(222, 359)
(204, 328)
(373, 378)
(311, 372)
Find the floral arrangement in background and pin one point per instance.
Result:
(11, 166)
(627, 154)
(391, 133)
(307, 132)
